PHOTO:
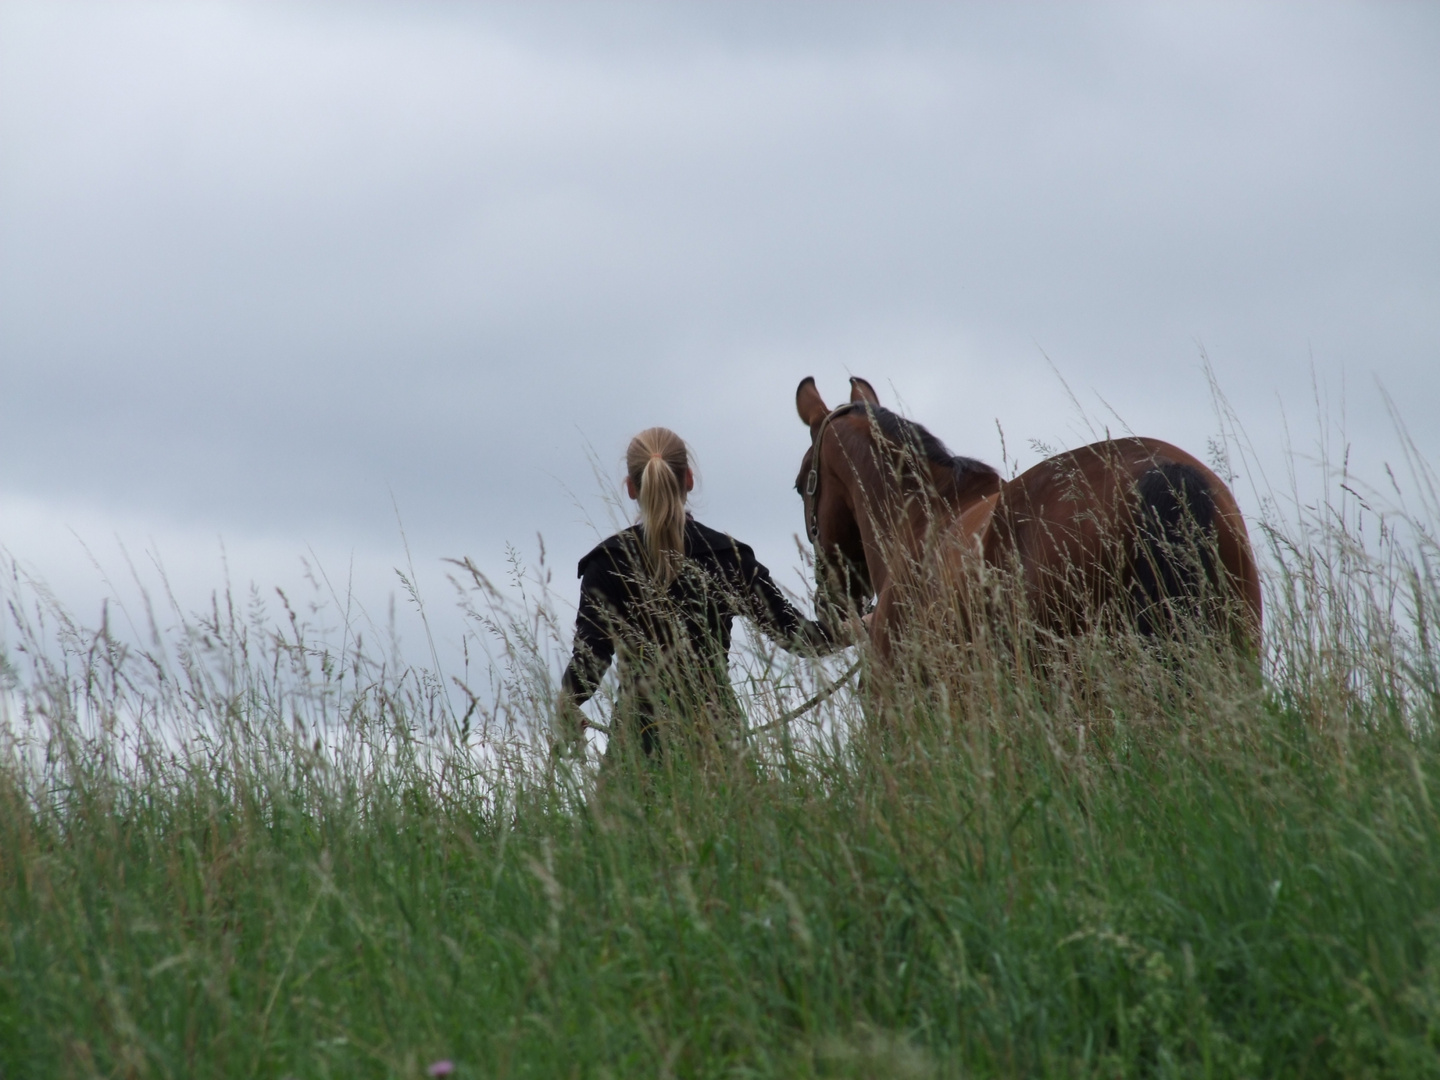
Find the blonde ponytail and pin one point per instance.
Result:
(657, 461)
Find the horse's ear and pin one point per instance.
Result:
(808, 402)
(860, 390)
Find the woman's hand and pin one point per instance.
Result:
(859, 627)
(570, 722)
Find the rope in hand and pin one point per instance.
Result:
(784, 718)
(802, 709)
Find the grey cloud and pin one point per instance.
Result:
(261, 267)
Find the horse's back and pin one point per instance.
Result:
(1132, 520)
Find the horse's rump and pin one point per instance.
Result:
(1174, 577)
(1127, 532)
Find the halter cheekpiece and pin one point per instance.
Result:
(812, 480)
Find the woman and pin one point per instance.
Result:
(662, 595)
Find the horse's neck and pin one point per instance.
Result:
(875, 504)
(897, 521)
(896, 524)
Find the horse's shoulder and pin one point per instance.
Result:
(974, 520)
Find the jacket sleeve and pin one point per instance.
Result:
(594, 644)
(766, 605)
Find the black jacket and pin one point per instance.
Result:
(621, 608)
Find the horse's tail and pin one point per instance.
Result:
(1175, 574)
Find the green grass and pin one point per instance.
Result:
(1130, 867)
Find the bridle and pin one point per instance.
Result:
(812, 480)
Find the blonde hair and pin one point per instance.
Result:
(656, 461)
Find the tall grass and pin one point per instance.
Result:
(239, 851)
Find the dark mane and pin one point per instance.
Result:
(965, 472)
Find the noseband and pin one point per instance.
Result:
(812, 480)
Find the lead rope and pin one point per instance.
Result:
(802, 709)
(784, 718)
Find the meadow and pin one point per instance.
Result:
(244, 848)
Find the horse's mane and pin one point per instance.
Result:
(962, 473)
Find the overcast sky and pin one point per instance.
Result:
(269, 272)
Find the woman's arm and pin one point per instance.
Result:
(594, 645)
(775, 615)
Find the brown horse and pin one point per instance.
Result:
(1126, 532)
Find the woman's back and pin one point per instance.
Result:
(661, 598)
(687, 621)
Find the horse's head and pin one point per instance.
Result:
(832, 522)
(867, 475)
